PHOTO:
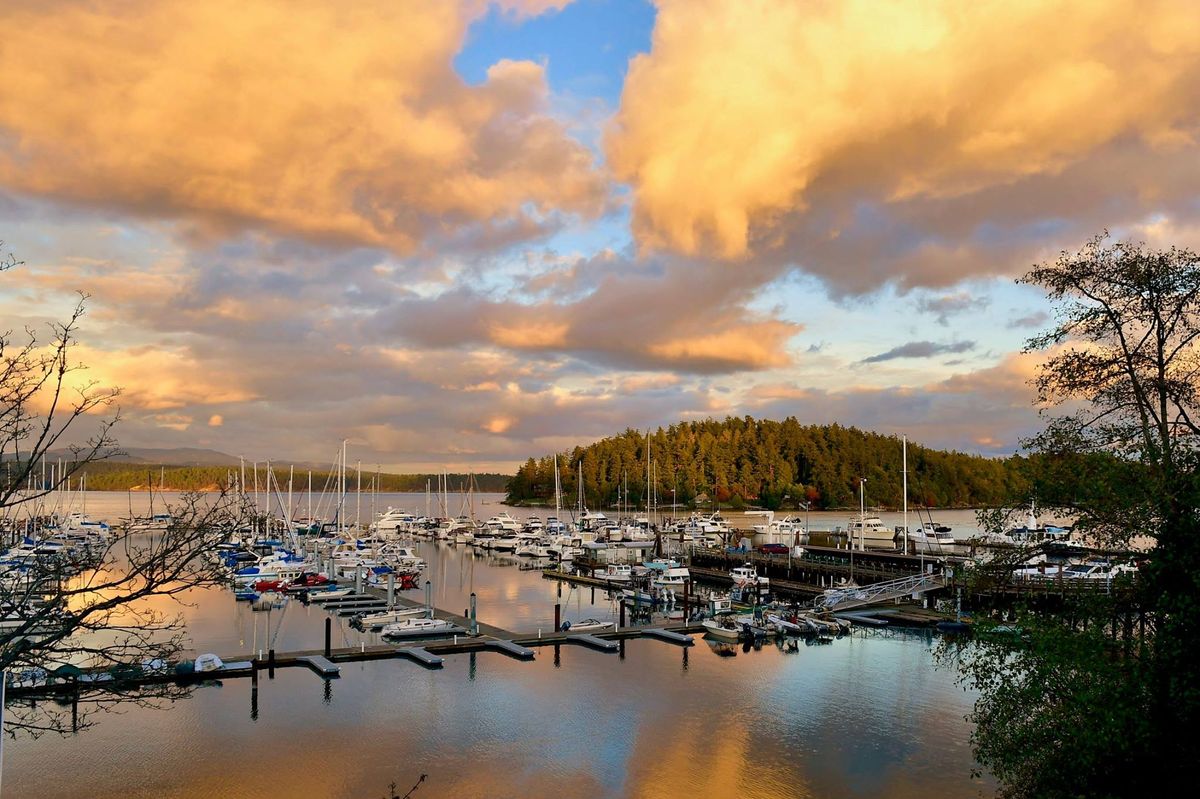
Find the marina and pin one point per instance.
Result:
(516, 620)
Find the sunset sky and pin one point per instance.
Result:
(462, 233)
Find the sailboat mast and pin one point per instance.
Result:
(557, 492)
(358, 497)
(904, 451)
(342, 489)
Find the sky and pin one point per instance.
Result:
(459, 234)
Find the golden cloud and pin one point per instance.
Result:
(748, 116)
(154, 379)
(757, 345)
(529, 334)
(308, 118)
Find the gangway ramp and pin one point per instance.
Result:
(859, 596)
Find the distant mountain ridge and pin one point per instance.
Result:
(176, 456)
(198, 469)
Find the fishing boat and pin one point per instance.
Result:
(586, 626)
(667, 573)
(417, 628)
(747, 575)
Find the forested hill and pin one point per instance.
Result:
(769, 464)
(116, 476)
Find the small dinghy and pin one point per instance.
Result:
(585, 626)
(791, 626)
(371, 620)
(328, 593)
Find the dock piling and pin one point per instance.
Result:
(271, 663)
(391, 589)
(621, 625)
(474, 615)
(557, 616)
(328, 635)
(428, 599)
(358, 579)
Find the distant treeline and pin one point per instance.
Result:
(105, 476)
(741, 461)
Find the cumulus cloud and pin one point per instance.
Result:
(921, 349)
(872, 141)
(308, 119)
(687, 316)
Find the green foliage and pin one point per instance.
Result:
(1104, 697)
(774, 464)
(1061, 712)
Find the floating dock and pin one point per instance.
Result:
(428, 653)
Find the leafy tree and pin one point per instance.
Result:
(1090, 700)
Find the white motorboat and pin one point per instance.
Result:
(1098, 569)
(929, 538)
(723, 627)
(416, 628)
(667, 573)
(1035, 532)
(533, 550)
(503, 521)
(869, 531)
(747, 576)
(508, 543)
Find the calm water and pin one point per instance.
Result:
(868, 715)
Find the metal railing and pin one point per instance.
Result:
(857, 596)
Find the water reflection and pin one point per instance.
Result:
(867, 715)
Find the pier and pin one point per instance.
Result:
(429, 653)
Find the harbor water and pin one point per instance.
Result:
(867, 715)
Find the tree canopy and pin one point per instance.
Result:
(770, 463)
